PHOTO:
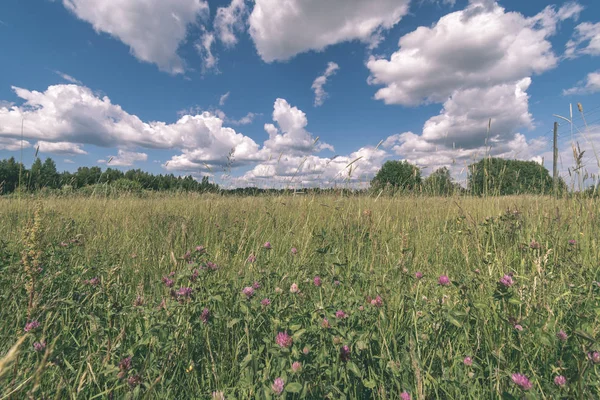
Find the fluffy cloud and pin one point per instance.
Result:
(318, 84)
(591, 85)
(282, 29)
(480, 46)
(65, 148)
(204, 48)
(230, 19)
(586, 40)
(125, 158)
(11, 144)
(153, 29)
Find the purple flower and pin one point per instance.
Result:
(294, 251)
(361, 308)
(200, 249)
(168, 282)
(64, 244)
(134, 381)
(325, 323)
(92, 282)
(340, 314)
(468, 361)
(594, 357)
(294, 288)
(337, 283)
(171, 274)
(405, 395)
(267, 245)
(477, 271)
(31, 325)
(345, 353)
(317, 280)
(560, 380)
(518, 327)
(522, 381)
(418, 275)
(138, 302)
(248, 291)
(296, 366)
(251, 258)
(185, 292)
(444, 280)
(187, 255)
(256, 285)
(562, 336)
(535, 245)
(125, 364)
(507, 281)
(278, 385)
(377, 301)
(205, 316)
(284, 340)
(572, 242)
(305, 350)
(195, 275)
(212, 266)
(39, 346)
(265, 302)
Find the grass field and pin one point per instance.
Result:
(350, 301)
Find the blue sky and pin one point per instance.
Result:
(142, 81)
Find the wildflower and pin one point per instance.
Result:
(506, 281)
(340, 314)
(187, 256)
(205, 316)
(184, 292)
(305, 350)
(248, 291)
(294, 251)
(92, 282)
(522, 381)
(267, 245)
(265, 302)
(405, 395)
(31, 325)
(251, 258)
(468, 361)
(39, 346)
(317, 280)
(163, 305)
(125, 364)
(256, 285)
(64, 244)
(418, 275)
(345, 353)
(200, 249)
(218, 396)
(594, 357)
(337, 340)
(278, 290)
(325, 323)
(296, 366)
(377, 301)
(361, 308)
(562, 336)
(294, 288)
(534, 245)
(134, 381)
(572, 242)
(477, 271)
(405, 270)
(171, 274)
(138, 302)
(195, 275)
(337, 283)
(284, 340)
(212, 266)
(278, 386)
(168, 282)
(518, 327)
(444, 280)
(560, 380)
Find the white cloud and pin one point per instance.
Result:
(68, 161)
(591, 85)
(65, 148)
(126, 158)
(480, 46)
(153, 29)
(223, 99)
(282, 29)
(245, 120)
(228, 20)
(12, 144)
(317, 86)
(67, 77)
(204, 48)
(586, 40)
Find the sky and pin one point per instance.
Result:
(297, 93)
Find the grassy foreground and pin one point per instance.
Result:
(100, 300)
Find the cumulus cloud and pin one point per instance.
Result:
(586, 40)
(480, 46)
(153, 29)
(125, 158)
(317, 86)
(591, 85)
(282, 29)
(230, 19)
(65, 148)
(12, 144)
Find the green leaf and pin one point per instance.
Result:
(586, 336)
(369, 384)
(453, 321)
(297, 335)
(294, 328)
(246, 361)
(352, 367)
(293, 387)
(232, 323)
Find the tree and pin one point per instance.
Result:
(440, 183)
(398, 175)
(498, 176)
(35, 175)
(49, 174)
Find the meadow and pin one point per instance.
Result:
(355, 297)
